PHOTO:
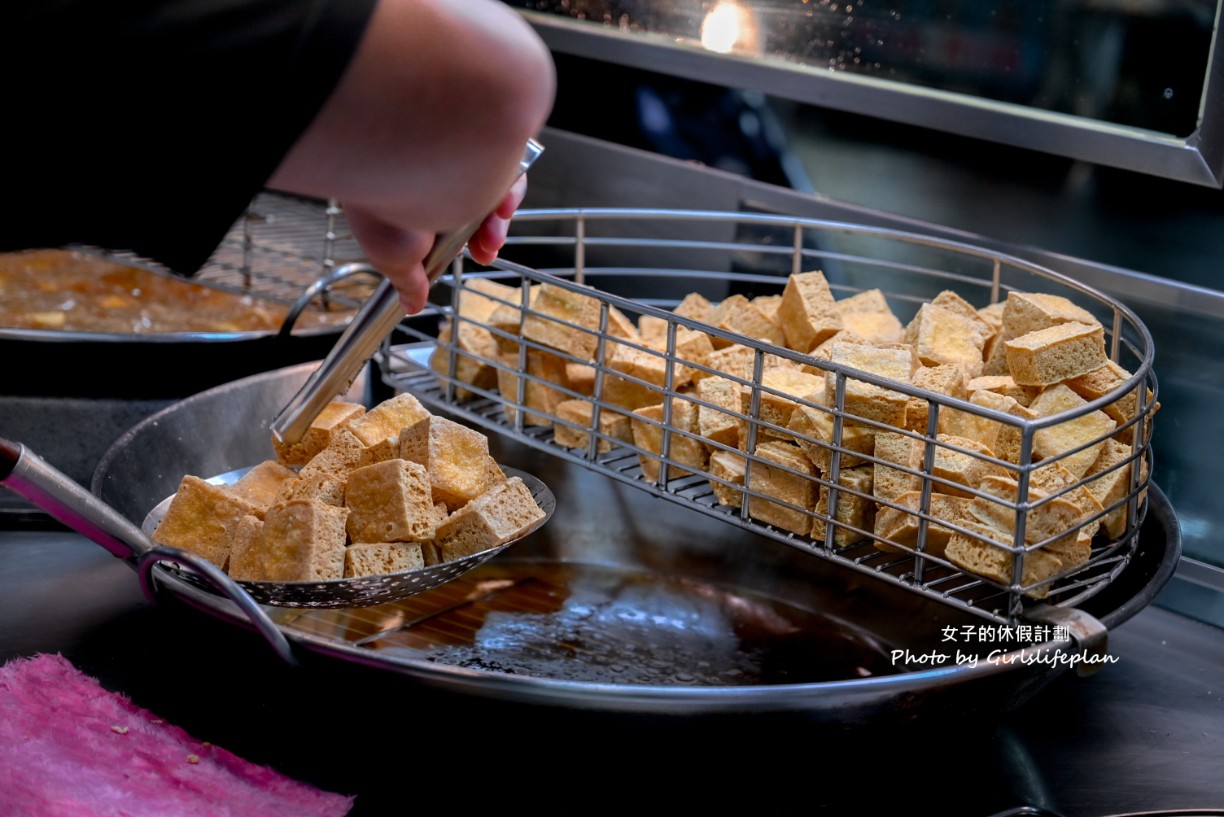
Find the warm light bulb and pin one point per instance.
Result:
(729, 27)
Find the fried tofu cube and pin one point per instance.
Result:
(953, 302)
(1005, 385)
(684, 448)
(333, 416)
(697, 307)
(904, 474)
(814, 429)
(564, 319)
(1109, 379)
(320, 485)
(782, 477)
(947, 379)
(390, 501)
(775, 400)
(344, 453)
(942, 335)
(639, 378)
(381, 558)
(854, 509)
(718, 422)
(503, 513)
(1052, 522)
(744, 317)
(1109, 481)
(385, 420)
(866, 400)
(614, 426)
(505, 321)
(899, 526)
(808, 312)
(542, 387)
(246, 550)
(961, 463)
(303, 540)
(868, 315)
(455, 457)
(1075, 443)
(262, 483)
(983, 552)
(476, 349)
(475, 345)
(1048, 356)
(653, 331)
(738, 362)
(1025, 312)
(202, 517)
(727, 471)
(1004, 439)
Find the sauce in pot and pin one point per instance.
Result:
(72, 291)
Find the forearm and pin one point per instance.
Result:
(442, 96)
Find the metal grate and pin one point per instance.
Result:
(284, 248)
(639, 264)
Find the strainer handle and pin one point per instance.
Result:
(29, 475)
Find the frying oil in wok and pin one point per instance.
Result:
(600, 624)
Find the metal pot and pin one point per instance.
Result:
(624, 604)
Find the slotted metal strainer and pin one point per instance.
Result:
(29, 475)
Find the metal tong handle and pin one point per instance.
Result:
(29, 475)
(366, 332)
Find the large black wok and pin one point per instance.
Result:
(627, 604)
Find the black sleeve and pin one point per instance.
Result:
(148, 125)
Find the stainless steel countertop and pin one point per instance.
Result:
(1144, 733)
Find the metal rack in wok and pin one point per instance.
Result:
(286, 249)
(640, 264)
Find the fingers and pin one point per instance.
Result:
(491, 235)
(399, 253)
(396, 253)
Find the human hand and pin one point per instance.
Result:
(399, 254)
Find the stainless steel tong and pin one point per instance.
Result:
(368, 329)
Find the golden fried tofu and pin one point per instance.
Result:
(684, 449)
(982, 552)
(202, 517)
(613, 426)
(814, 429)
(853, 511)
(868, 315)
(942, 335)
(261, 484)
(542, 387)
(866, 400)
(808, 312)
(899, 527)
(390, 501)
(385, 420)
(317, 436)
(303, 540)
(782, 474)
(1048, 356)
(718, 422)
(455, 457)
(565, 320)
(727, 471)
(1076, 442)
(503, 513)
(381, 558)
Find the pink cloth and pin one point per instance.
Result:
(70, 748)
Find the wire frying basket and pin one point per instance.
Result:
(584, 340)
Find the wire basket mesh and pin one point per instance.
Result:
(590, 338)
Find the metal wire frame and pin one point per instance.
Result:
(858, 257)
